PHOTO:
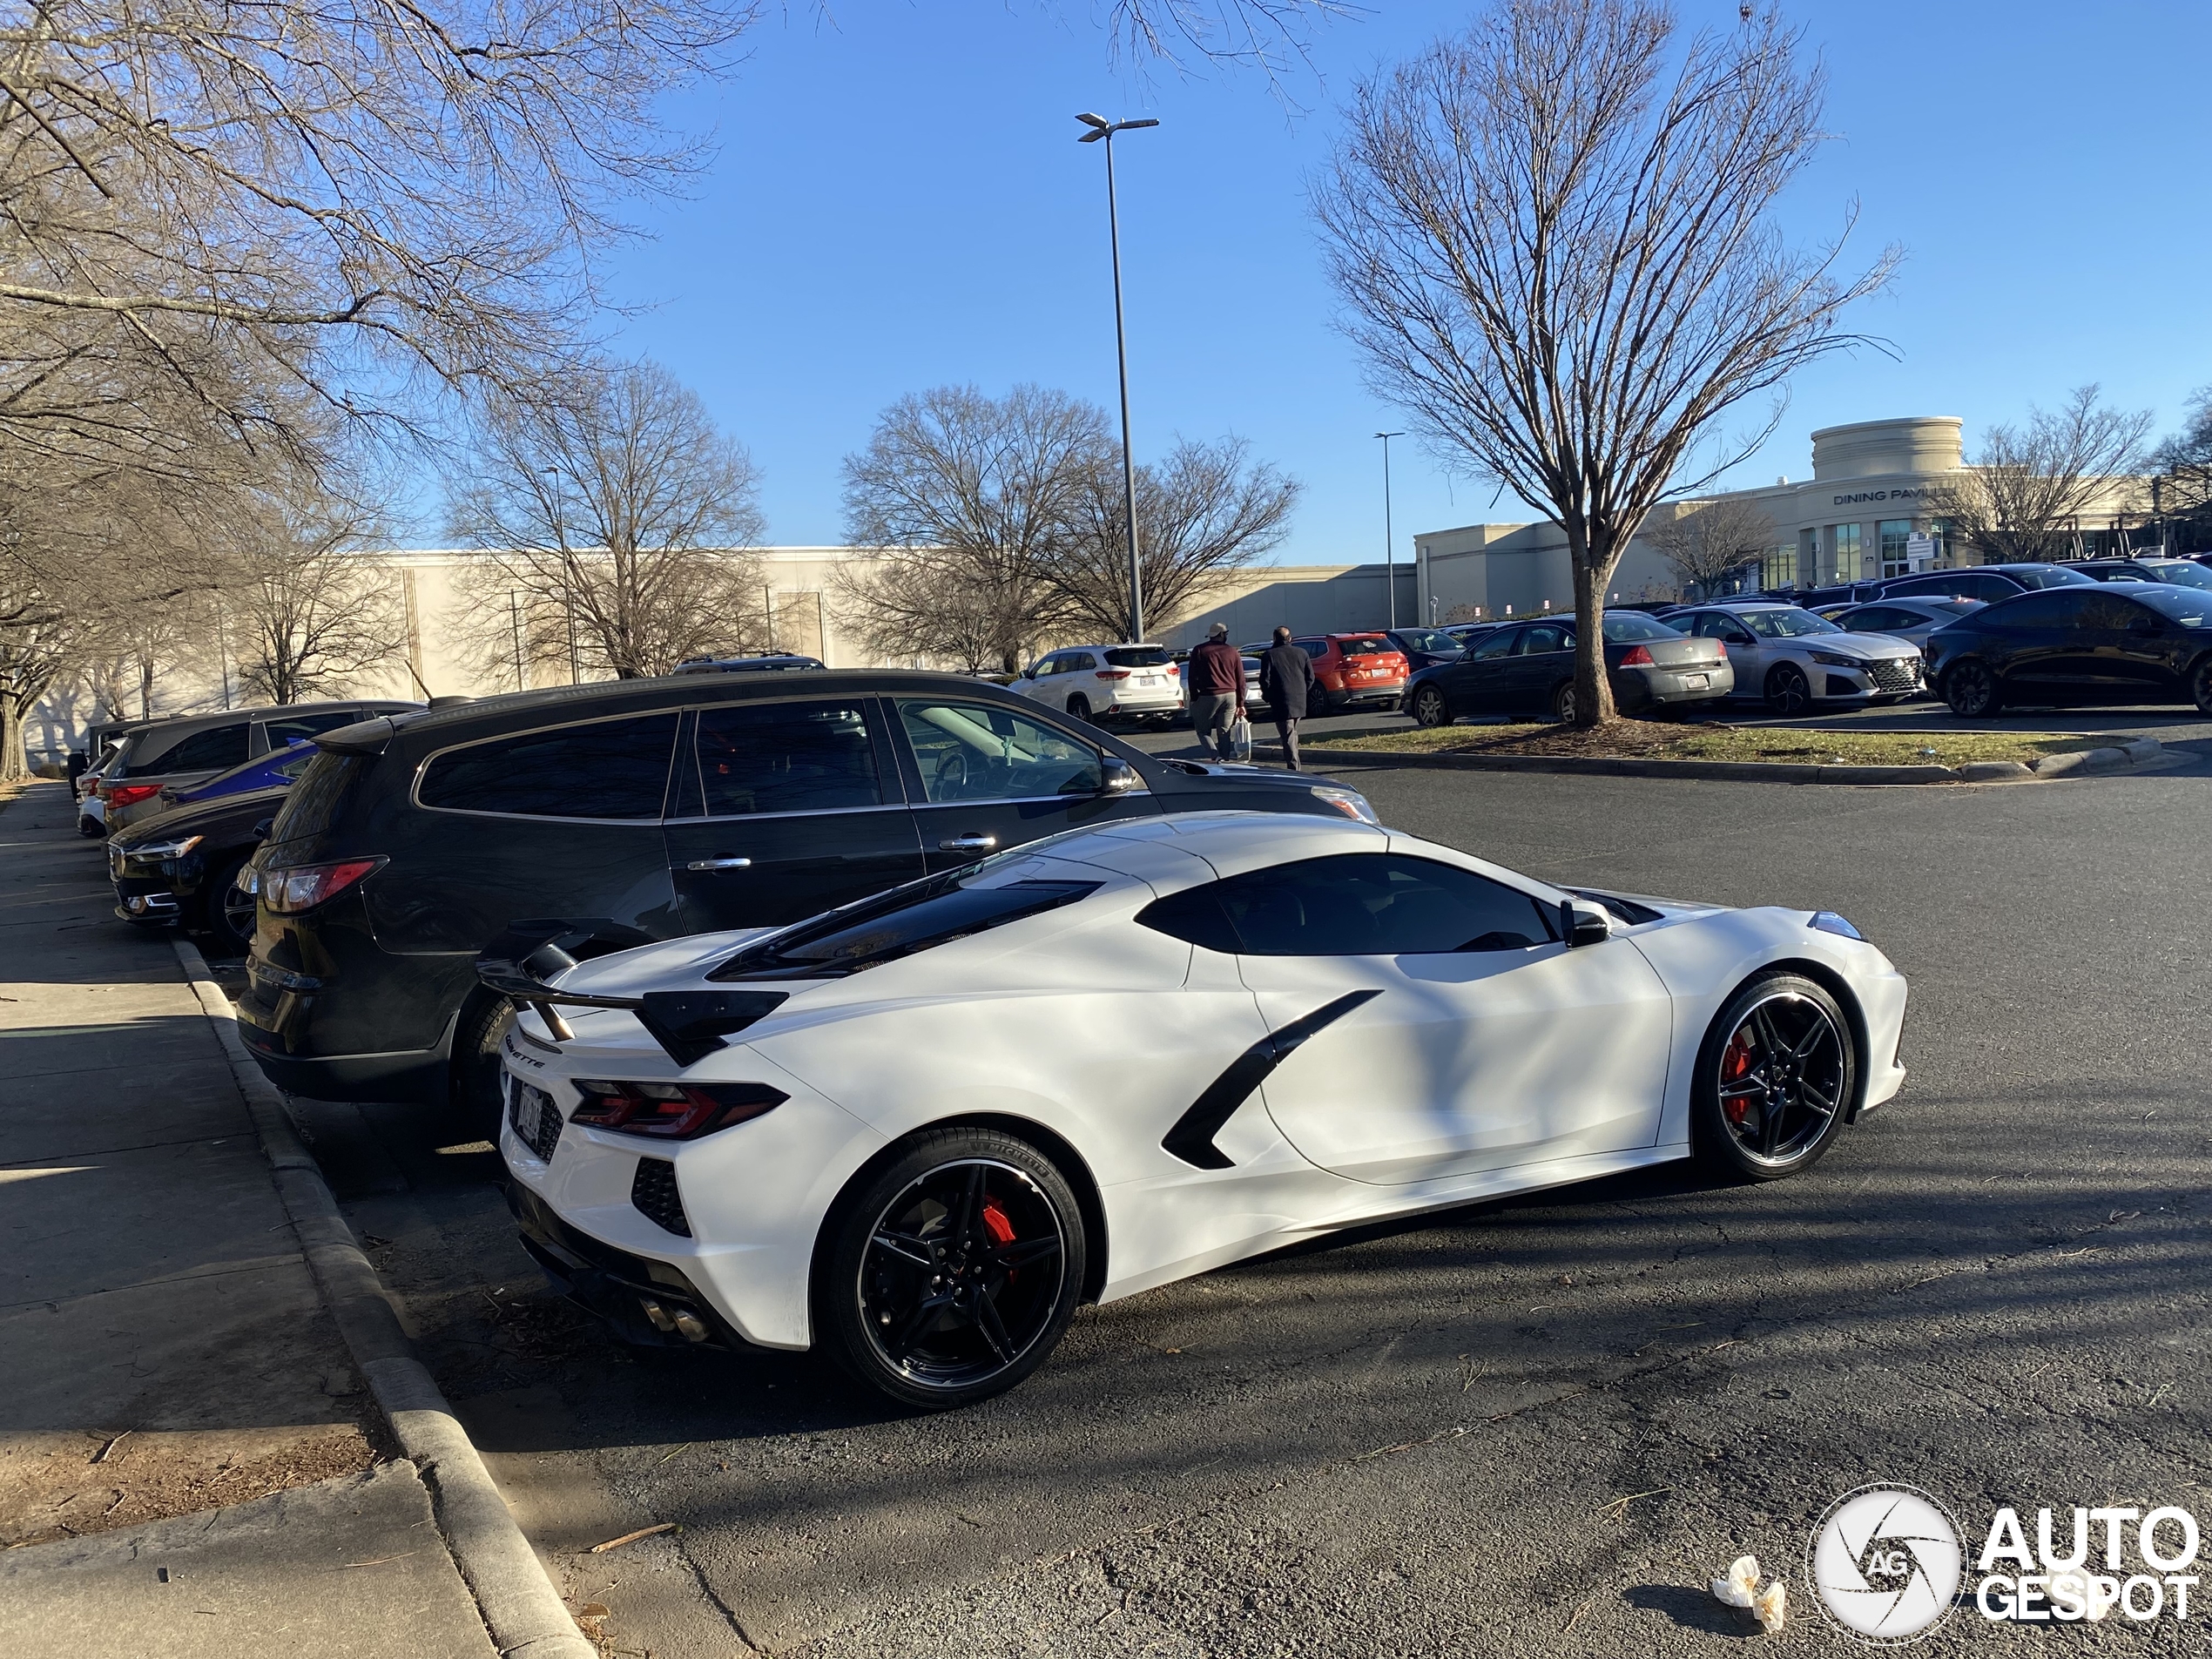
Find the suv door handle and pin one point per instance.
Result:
(719, 864)
(970, 843)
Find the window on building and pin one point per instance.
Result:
(1895, 534)
(1843, 543)
(1778, 568)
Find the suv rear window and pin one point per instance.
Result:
(935, 911)
(607, 769)
(1139, 657)
(1365, 647)
(311, 807)
(213, 751)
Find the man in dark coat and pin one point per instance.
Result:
(1215, 680)
(1286, 677)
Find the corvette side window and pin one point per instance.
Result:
(1359, 904)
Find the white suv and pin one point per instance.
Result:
(1099, 682)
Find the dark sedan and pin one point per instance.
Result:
(184, 866)
(2114, 643)
(1526, 670)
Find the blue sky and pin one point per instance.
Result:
(899, 201)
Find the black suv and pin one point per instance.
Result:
(638, 810)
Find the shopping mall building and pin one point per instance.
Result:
(1863, 514)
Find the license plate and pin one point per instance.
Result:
(535, 1117)
(1697, 682)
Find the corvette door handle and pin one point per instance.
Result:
(968, 844)
(719, 864)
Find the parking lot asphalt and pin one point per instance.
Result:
(1535, 1427)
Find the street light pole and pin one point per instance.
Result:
(1390, 537)
(1102, 128)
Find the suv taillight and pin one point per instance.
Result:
(1113, 673)
(672, 1111)
(127, 794)
(1638, 657)
(303, 887)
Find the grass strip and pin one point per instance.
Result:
(1665, 740)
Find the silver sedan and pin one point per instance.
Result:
(1911, 620)
(1797, 661)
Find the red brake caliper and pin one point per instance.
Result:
(994, 1221)
(1736, 1065)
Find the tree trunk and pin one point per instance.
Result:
(1593, 690)
(14, 762)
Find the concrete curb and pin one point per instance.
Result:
(521, 1608)
(2138, 752)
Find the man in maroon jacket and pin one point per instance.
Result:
(1216, 682)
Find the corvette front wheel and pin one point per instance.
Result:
(950, 1276)
(1778, 1071)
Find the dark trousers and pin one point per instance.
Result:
(1286, 731)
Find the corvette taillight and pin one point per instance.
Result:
(672, 1111)
(305, 885)
(1638, 657)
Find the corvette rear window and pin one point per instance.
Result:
(914, 918)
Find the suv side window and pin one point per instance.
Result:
(1354, 904)
(607, 769)
(1316, 649)
(979, 751)
(223, 747)
(787, 757)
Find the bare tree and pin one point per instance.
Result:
(2182, 486)
(329, 192)
(616, 522)
(1557, 254)
(312, 609)
(1709, 542)
(2024, 496)
(970, 499)
(1201, 513)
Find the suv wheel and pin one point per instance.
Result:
(476, 1063)
(225, 913)
(1080, 707)
(1971, 691)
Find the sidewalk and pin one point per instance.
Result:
(189, 1464)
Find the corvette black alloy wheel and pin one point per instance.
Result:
(960, 1267)
(1776, 1077)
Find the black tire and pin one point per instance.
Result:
(2200, 685)
(1564, 702)
(227, 922)
(1776, 1074)
(476, 1064)
(1430, 707)
(1971, 690)
(91, 828)
(1080, 707)
(919, 1287)
(1788, 690)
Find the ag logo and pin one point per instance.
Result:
(1884, 1564)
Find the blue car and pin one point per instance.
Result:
(271, 771)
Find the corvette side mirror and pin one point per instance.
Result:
(1583, 923)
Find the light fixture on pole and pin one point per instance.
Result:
(1390, 547)
(1102, 128)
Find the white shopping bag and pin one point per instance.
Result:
(1240, 737)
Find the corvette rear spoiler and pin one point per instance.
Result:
(688, 1025)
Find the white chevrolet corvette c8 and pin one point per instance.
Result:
(921, 1130)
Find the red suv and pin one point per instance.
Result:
(1353, 669)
